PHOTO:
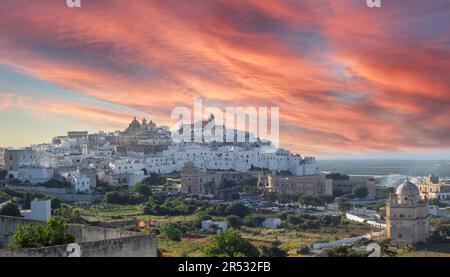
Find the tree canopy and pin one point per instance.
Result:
(171, 231)
(230, 244)
(154, 180)
(343, 204)
(360, 192)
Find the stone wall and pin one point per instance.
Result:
(136, 246)
(9, 225)
(60, 193)
(93, 241)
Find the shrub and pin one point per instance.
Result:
(154, 180)
(237, 209)
(294, 219)
(234, 221)
(31, 236)
(303, 250)
(55, 183)
(345, 251)
(253, 221)
(143, 189)
(273, 250)
(230, 244)
(171, 206)
(10, 209)
(171, 231)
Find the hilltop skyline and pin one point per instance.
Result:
(350, 81)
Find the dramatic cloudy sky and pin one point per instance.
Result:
(350, 81)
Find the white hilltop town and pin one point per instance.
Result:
(143, 148)
(283, 190)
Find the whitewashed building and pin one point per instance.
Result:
(271, 223)
(34, 174)
(81, 183)
(214, 226)
(40, 210)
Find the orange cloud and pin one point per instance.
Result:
(346, 78)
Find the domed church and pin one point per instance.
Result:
(406, 215)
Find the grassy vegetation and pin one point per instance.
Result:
(428, 250)
(190, 246)
(192, 243)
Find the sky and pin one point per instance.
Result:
(350, 81)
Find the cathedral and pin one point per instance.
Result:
(137, 128)
(407, 216)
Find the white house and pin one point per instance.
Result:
(214, 226)
(271, 223)
(439, 212)
(40, 210)
(82, 183)
(35, 174)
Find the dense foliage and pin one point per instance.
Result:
(273, 250)
(154, 180)
(343, 204)
(55, 183)
(169, 206)
(345, 251)
(10, 209)
(440, 230)
(230, 244)
(69, 214)
(302, 221)
(3, 174)
(143, 189)
(360, 192)
(53, 233)
(338, 176)
(171, 231)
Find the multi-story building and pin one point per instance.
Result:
(34, 174)
(434, 188)
(307, 185)
(13, 159)
(407, 216)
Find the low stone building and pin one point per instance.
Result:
(39, 210)
(307, 185)
(271, 223)
(407, 216)
(195, 181)
(214, 226)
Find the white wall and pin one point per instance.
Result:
(40, 210)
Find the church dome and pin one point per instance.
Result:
(135, 123)
(407, 188)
